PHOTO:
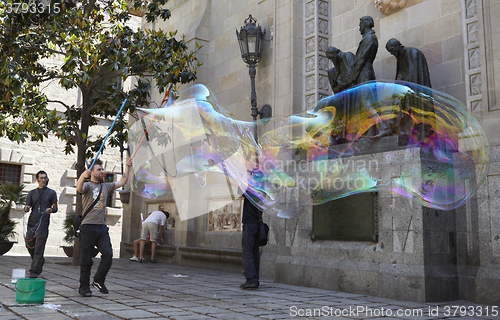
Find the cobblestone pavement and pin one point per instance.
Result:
(148, 291)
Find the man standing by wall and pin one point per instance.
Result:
(252, 216)
(93, 231)
(42, 201)
(250, 243)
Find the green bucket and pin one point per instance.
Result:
(30, 290)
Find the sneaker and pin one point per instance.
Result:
(141, 260)
(101, 287)
(249, 285)
(154, 261)
(134, 258)
(85, 292)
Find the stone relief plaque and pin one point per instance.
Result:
(168, 206)
(225, 215)
(388, 7)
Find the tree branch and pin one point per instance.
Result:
(70, 120)
(94, 143)
(51, 77)
(45, 50)
(60, 102)
(88, 10)
(102, 101)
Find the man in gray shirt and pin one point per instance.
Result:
(93, 231)
(42, 201)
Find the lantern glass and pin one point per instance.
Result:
(243, 44)
(252, 43)
(250, 37)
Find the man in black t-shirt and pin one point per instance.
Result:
(250, 236)
(42, 201)
(250, 243)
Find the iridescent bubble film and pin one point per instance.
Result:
(399, 138)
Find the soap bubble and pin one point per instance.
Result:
(393, 137)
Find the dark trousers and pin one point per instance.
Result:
(94, 235)
(36, 247)
(250, 248)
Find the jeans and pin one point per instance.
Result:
(94, 235)
(36, 247)
(250, 248)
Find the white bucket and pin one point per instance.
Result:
(18, 274)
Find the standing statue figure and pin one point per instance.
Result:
(363, 72)
(411, 65)
(343, 64)
(367, 50)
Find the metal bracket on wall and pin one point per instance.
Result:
(266, 112)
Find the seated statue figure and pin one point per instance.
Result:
(343, 63)
(353, 70)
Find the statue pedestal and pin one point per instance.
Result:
(415, 255)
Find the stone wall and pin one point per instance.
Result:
(413, 258)
(478, 239)
(49, 156)
(433, 26)
(422, 254)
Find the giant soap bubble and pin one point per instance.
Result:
(400, 138)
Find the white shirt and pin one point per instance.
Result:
(157, 217)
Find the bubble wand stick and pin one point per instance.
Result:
(109, 132)
(152, 120)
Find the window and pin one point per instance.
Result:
(353, 218)
(10, 172)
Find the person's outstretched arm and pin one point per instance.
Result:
(124, 178)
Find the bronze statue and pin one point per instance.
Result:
(343, 64)
(367, 50)
(412, 67)
(411, 63)
(363, 72)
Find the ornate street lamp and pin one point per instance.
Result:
(250, 39)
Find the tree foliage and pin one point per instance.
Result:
(69, 235)
(94, 45)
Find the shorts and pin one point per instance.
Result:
(150, 228)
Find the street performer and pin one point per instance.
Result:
(42, 201)
(94, 232)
